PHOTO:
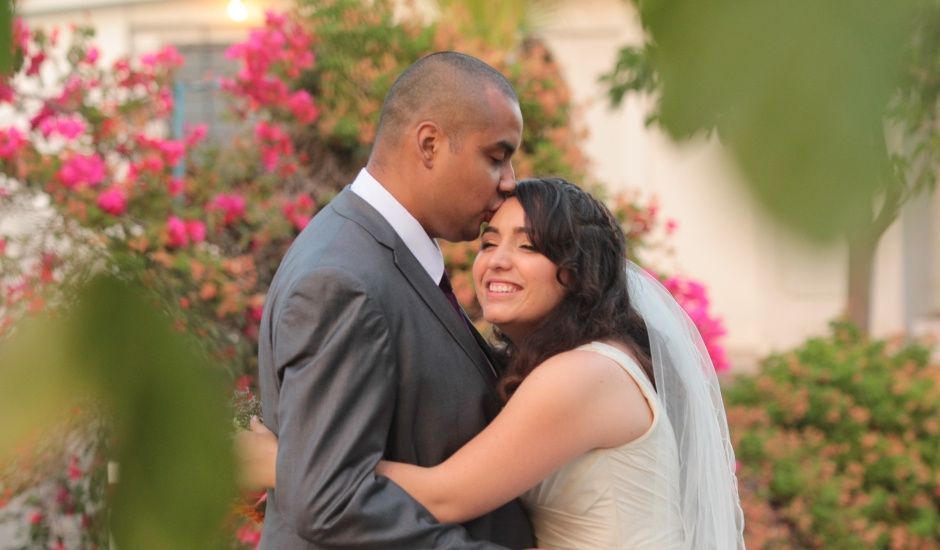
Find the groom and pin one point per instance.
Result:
(364, 353)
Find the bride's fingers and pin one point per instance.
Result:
(256, 427)
(256, 454)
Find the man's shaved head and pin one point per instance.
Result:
(447, 87)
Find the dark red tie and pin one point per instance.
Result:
(449, 293)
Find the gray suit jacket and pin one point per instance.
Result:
(361, 357)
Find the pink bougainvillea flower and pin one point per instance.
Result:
(302, 107)
(6, 93)
(231, 204)
(300, 211)
(12, 142)
(243, 383)
(35, 63)
(248, 534)
(255, 313)
(280, 49)
(168, 57)
(3, 246)
(196, 231)
(113, 201)
(91, 56)
(195, 134)
(40, 117)
(72, 93)
(176, 234)
(671, 226)
(152, 163)
(81, 170)
(67, 127)
(20, 33)
(75, 473)
(274, 18)
(693, 297)
(275, 143)
(175, 187)
(172, 150)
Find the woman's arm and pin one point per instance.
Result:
(570, 404)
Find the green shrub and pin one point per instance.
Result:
(838, 444)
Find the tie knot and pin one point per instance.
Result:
(445, 284)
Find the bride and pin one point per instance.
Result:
(613, 430)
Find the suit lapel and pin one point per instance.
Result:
(437, 302)
(351, 206)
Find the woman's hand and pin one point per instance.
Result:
(256, 454)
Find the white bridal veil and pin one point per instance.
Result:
(688, 387)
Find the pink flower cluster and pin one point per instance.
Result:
(170, 151)
(180, 233)
(232, 206)
(12, 142)
(169, 58)
(299, 211)
(275, 144)
(82, 170)
(693, 297)
(282, 48)
(113, 201)
(69, 127)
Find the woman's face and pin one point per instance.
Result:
(516, 286)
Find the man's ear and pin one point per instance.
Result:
(429, 140)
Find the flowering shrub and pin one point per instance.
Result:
(839, 446)
(201, 224)
(96, 145)
(693, 297)
(59, 483)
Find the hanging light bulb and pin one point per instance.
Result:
(237, 11)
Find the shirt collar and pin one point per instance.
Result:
(423, 247)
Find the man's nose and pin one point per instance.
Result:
(507, 180)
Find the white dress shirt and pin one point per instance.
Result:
(423, 247)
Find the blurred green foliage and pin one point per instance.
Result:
(6, 37)
(798, 92)
(164, 401)
(838, 443)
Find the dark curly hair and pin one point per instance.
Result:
(579, 235)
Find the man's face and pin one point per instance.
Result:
(474, 179)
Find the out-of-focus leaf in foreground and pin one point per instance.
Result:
(797, 91)
(6, 37)
(166, 403)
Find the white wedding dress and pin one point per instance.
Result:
(625, 497)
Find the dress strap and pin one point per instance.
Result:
(628, 364)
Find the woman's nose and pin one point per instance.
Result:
(501, 258)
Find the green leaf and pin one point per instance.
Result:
(797, 91)
(6, 37)
(167, 402)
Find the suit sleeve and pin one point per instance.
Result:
(337, 400)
